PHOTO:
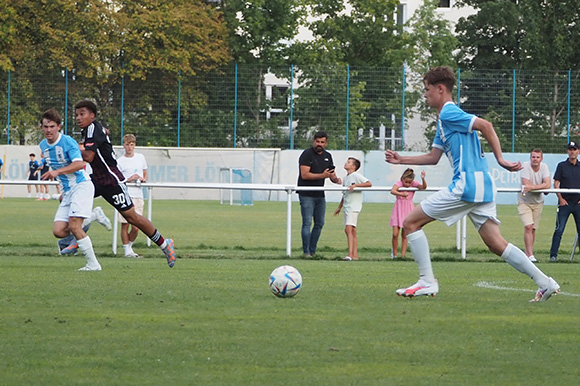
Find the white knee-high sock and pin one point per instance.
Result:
(86, 247)
(420, 249)
(518, 259)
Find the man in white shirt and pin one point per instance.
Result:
(134, 168)
(535, 175)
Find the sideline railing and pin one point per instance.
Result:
(461, 226)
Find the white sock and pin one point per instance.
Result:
(127, 249)
(86, 222)
(93, 216)
(420, 249)
(518, 259)
(86, 247)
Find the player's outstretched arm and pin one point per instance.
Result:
(488, 132)
(431, 158)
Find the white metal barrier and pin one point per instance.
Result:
(461, 237)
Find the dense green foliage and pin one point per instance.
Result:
(535, 39)
(199, 74)
(151, 66)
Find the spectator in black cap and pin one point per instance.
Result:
(567, 176)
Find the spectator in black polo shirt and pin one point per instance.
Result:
(567, 176)
(316, 165)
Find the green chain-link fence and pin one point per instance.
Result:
(248, 106)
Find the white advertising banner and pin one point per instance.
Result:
(271, 166)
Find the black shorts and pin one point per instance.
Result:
(33, 177)
(117, 196)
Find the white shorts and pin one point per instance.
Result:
(138, 203)
(77, 202)
(350, 217)
(447, 207)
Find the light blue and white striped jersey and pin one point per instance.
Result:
(64, 151)
(455, 136)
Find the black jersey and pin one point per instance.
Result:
(105, 172)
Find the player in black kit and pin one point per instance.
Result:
(109, 182)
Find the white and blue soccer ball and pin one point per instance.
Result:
(285, 281)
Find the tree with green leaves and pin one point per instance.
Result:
(101, 42)
(535, 39)
(261, 32)
(365, 35)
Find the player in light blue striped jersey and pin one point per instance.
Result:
(63, 156)
(471, 192)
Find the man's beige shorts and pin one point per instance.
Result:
(138, 204)
(530, 213)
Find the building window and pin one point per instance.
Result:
(444, 4)
(401, 14)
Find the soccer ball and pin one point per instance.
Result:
(285, 281)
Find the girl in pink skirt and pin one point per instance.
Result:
(403, 206)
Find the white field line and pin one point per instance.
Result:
(491, 285)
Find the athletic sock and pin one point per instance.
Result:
(518, 259)
(93, 216)
(127, 249)
(158, 239)
(86, 247)
(420, 249)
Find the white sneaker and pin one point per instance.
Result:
(132, 255)
(421, 288)
(533, 259)
(544, 294)
(102, 218)
(88, 268)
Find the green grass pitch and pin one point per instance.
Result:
(211, 320)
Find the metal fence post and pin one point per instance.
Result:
(8, 116)
(236, 104)
(122, 99)
(179, 108)
(569, 91)
(459, 87)
(66, 100)
(288, 221)
(514, 110)
(347, 100)
(403, 112)
(291, 106)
